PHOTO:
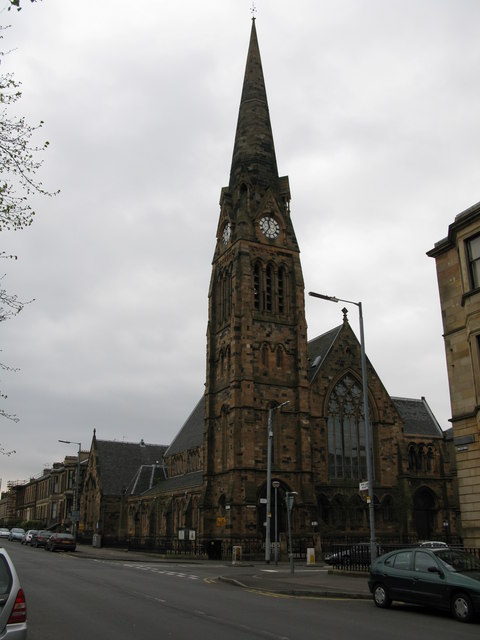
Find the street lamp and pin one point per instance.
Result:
(269, 478)
(276, 484)
(75, 513)
(370, 497)
(289, 499)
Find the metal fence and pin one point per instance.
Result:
(356, 557)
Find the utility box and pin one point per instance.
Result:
(236, 554)
(310, 555)
(97, 540)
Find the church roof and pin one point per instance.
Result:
(191, 434)
(254, 151)
(418, 419)
(119, 462)
(318, 349)
(180, 482)
(146, 477)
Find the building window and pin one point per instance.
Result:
(270, 289)
(256, 286)
(281, 290)
(473, 253)
(346, 432)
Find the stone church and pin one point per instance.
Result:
(270, 391)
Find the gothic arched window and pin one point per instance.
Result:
(269, 288)
(281, 290)
(256, 286)
(279, 356)
(346, 432)
(429, 466)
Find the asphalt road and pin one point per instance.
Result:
(82, 598)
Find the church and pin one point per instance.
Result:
(282, 415)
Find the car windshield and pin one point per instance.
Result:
(455, 560)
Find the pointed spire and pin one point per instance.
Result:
(254, 152)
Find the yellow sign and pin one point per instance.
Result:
(221, 522)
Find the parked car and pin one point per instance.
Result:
(442, 578)
(433, 544)
(40, 538)
(16, 534)
(357, 554)
(13, 607)
(27, 538)
(4, 533)
(63, 541)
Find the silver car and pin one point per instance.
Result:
(16, 534)
(13, 607)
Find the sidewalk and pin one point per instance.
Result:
(308, 581)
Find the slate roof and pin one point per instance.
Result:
(146, 477)
(119, 462)
(318, 349)
(418, 419)
(186, 481)
(190, 435)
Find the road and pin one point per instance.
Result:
(81, 598)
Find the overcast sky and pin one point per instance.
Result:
(375, 113)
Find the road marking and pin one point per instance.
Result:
(167, 572)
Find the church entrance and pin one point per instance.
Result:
(424, 509)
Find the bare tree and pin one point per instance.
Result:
(19, 164)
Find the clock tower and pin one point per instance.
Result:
(256, 335)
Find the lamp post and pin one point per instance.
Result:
(276, 484)
(370, 497)
(269, 479)
(75, 513)
(289, 499)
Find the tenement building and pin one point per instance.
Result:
(457, 259)
(271, 392)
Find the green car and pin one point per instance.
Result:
(446, 579)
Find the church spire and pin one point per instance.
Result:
(253, 158)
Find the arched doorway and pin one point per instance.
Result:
(424, 509)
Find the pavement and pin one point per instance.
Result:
(313, 580)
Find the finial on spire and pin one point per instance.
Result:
(345, 311)
(253, 10)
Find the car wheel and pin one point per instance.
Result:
(381, 596)
(462, 608)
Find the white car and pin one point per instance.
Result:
(13, 607)
(4, 533)
(27, 538)
(433, 544)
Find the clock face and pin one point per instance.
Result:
(269, 227)
(226, 233)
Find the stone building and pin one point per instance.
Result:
(457, 259)
(116, 470)
(261, 367)
(47, 500)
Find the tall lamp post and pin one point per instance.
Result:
(276, 484)
(370, 497)
(289, 499)
(75, 513)
(269, 479)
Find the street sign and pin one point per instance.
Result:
(363, 486)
